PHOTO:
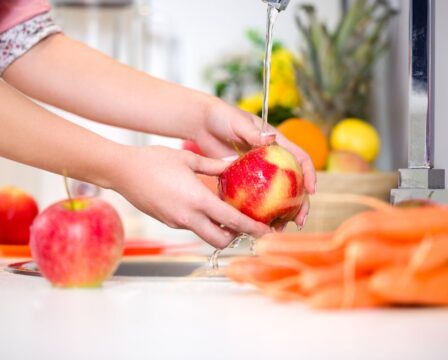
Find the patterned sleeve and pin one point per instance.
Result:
(19, 39)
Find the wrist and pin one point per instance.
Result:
(111, 165)
(206, 105)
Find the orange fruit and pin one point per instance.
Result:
(309, 137)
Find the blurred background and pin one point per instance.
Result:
(213, 45)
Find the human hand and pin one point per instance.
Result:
(162, 182)
(225, 125)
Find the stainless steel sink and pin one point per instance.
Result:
(157, 266)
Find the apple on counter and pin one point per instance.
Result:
(77, 242)
(17, 212)
(266, 184)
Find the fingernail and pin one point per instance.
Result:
(304, 220)
(267, 138)
(299, 227)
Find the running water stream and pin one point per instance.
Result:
(272, 12)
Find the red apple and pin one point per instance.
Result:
(345, 161)
(266, 184)
(192, 146)
(17, 212)
(77, 243)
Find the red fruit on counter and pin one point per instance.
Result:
(266, 184)
(345, 161)
(17, 212)
(77, 243)
(192, 146)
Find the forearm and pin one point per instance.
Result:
(34, 136)
(69, 75)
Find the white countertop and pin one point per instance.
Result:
(147, 319)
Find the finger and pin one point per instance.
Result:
(280, 228)
(309, 175)
(300, 219)
(248, 131)
(211, 233)
(206, 166)
(231, 218)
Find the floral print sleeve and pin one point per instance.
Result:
(19, 39)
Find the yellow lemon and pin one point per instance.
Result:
(357, 136)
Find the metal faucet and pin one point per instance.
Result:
(280, 5)
(420, 180)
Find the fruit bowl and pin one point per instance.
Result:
(325, 216)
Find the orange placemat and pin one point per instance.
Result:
(132, 247)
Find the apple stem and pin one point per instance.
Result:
(67, 190)
(237, 149)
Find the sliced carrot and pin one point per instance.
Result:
(255, 271)
(332, 297)
(372, 254)
(314, 278)
(309, 248)
(396, 285)
(399, 225)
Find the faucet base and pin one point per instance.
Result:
(420, 184)
(421, 178)
(437, 195)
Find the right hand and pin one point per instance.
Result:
(162, 183)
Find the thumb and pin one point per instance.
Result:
(249, 132)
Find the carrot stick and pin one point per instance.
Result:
(311, 248)
(255, 271)
(372, 254)
(430, 254)
(314, 278)
(399, 225)
(286, 289)
(398, 286)
(332, 297)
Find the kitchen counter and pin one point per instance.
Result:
(153, 319)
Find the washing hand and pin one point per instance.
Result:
(225, 126)
(162, 183)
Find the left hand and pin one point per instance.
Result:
(225, 125)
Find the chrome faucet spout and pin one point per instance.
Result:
(280, 5)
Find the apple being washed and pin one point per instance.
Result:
(17, 212)
(78, 242)
(266, 184)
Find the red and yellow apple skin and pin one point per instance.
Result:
(266, 184)
(77, 243)
(17, 212)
